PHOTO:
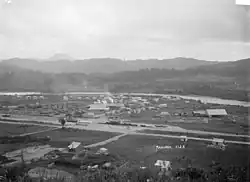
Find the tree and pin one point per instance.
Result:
(24, 127)
(62, 121)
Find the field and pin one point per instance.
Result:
(10, 147)
(60, 138)
(214, 126)
(230, 138)
(192, 123)
(27, 118)
(17, 129)
(226, 125)
(141, 150)
(63, 137)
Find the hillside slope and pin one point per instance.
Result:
(103, 65)
(14, 79)
(237, 69)
(230, 80)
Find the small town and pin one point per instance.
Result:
(79, 132)
(124, 90)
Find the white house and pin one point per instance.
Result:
(79, 98)
(163, 105)
(83, 122)
(73, 146)
(102, 151)
(218, 141)
(163, 164)
(104, 102)
(165, 113)
(216, 112)
(156, 99)
(199, 113)
(109, 99)
(184, 138)
(98, 107)
(65, 98)
(210, 113)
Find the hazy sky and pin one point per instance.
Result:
(205, 29)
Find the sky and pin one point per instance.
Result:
(216, 30)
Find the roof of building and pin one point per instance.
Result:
(216, 112)
(200, 112)
(97, 106)
(183, 136)
(104, 149)
(162, 164)
(84, 121)
(165, 113)
(218, 140)
(74, 145)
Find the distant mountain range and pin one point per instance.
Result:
(61, 63)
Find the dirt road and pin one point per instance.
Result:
(190, 138)
(36, 132)
(122, 129)
(126, 131)
(106, 141)
(199, 132)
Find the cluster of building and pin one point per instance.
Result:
(218, 143)
(118, 108)
(135, 106)
(210, 113)
(112, 104)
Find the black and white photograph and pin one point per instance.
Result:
(124, 90)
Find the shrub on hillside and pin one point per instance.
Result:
(142, 175)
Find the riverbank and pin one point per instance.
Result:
(241, 96)
(205, 99)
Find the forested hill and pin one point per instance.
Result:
(230, 80)
(14, 79)
(235, 70)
